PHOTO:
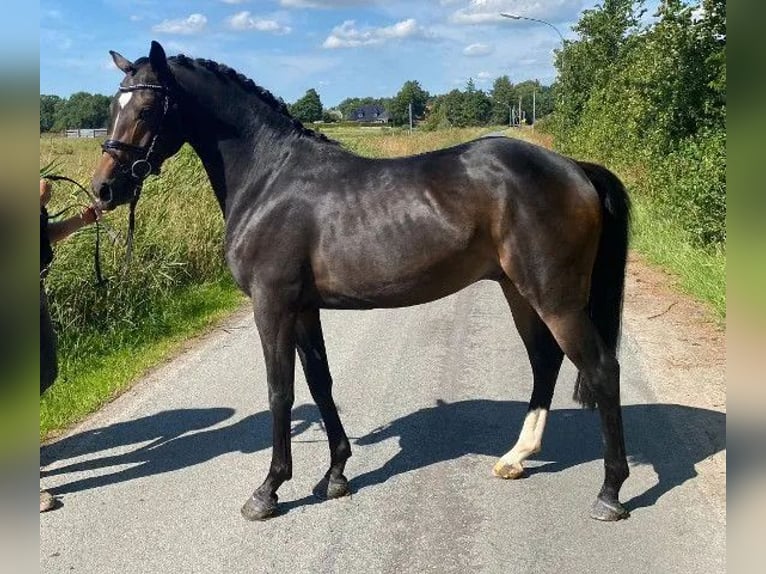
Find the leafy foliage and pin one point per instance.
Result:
(651, 100)
(410, 92)
(309, 108)
(80, 110)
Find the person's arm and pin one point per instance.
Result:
(58, 230)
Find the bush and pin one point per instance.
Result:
(178, 242)
(689, 184)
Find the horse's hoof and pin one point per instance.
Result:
(608, 511)
(331, 487)
(259, 507)
(511, 471)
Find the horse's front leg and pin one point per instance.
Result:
(275, 318)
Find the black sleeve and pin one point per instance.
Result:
(46, 251)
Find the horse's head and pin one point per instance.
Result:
(144, 128)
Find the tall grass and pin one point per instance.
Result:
(176, 282)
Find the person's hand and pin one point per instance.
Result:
(90, 214)
(45, 192)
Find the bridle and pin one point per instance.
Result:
(141, 168)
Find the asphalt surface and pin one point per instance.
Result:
(430, 397)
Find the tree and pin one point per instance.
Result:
(82, 110)
(586, 65)
(309, 108)
(476, 105)
(332, 115)
(50, 107)
(503, 97)
(452, 104)
(411, 92)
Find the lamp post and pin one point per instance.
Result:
(517, 17)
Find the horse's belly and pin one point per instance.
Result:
(367, 287)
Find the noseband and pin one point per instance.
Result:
(140, 169)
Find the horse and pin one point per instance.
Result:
(310, 226)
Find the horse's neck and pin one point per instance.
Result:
(240, 146)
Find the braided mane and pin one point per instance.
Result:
(224, 72)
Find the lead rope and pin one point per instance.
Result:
(100, 280)
(131, 227)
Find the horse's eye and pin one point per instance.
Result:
(144, 114)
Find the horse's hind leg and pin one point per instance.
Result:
(545, 356)
(313, 356)
(600, 386)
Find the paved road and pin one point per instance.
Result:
(431, 396)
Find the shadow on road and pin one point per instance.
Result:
(671, 438)
(174, 444)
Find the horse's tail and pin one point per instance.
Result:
(608, 278)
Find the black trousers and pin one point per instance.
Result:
(48, 359)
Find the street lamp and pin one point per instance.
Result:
(517, 17)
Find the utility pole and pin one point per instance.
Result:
(519, 111)
(510, 115)
(534, 111)
(409, 108)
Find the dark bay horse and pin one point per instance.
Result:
(310, 225)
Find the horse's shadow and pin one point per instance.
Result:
(670, 438)
(172, 444)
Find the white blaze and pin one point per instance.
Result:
(124, 99)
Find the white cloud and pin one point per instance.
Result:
(347, 35)
(478, 50)
(193, 24)
(244, 21)
(325, 3)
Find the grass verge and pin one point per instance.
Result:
(698, 272)
(117, 360)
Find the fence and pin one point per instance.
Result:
(86, 133)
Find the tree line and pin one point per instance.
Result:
(468, 107)
(650, 98)
(80, 110)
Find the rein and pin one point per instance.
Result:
(100, 281)
(138, 171)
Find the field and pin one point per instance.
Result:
(177, 285)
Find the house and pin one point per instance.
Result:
(370, 114)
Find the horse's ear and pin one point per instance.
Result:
(122, 62)
(159, 60)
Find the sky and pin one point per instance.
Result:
(341, 48)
